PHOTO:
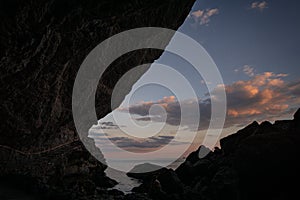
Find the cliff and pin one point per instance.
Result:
(43, 44)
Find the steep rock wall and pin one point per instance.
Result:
(43, 44)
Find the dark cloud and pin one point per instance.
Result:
(137, 144)
(293, 88)
(173, 110)
(152, 142)
(106, 125)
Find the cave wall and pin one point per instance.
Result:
(42, 45)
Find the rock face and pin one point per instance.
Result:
(43, 44)
(258, 162)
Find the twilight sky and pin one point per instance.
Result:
(255, 45)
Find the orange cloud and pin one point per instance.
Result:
(263, 96)
(246, 112)
(203, 16)
(276, 83)
(168, 99)
(198, 13)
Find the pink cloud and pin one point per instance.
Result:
(248, 70)
(259, 5)
(262, 94)
(203, 16)
(198, 13)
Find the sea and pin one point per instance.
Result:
(125, 183)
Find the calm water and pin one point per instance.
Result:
(125, 183)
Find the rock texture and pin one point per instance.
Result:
(258, 162)
(42, 45)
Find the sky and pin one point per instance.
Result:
(254, 44)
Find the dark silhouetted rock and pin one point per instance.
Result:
(257, 162)
(282, 125)
(231, 142)
(184, 172)
(170, 183)
(295, 128)
(145, 171)
(43, 44)
(297, 116)
(193, 166)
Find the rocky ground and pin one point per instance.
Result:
(258, 162)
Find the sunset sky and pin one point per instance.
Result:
(255, 45)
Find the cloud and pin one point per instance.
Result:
(198, 13)
(152, 142)
(259, 5)
(202, 17)
(138, 144)
(248, 70)
(205, 82)
(294, 88)
(264, 96)
(106, 125)
(144, 109)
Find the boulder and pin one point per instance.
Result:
(170, 183)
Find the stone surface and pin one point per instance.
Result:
(43, 44)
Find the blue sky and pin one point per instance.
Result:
(238, 35)
(266, 39)
(255, 45)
